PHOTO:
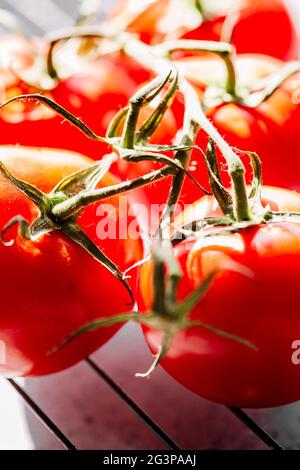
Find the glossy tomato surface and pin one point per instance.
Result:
(94, 93)
(257, 301)
(51, 287)
(254, 24)
(269, 129)
(251, 25)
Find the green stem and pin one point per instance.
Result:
(183, 157)
(63, 35)
(236, 168)
(147, 57)
(130, 126)
(200, 7)
(224, 50)
(142, 97)
(241, 203)
(116, 123)
(221, 194)
(72, 205)
(61, 111)
(273, 83)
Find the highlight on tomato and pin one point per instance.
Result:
(59, 270)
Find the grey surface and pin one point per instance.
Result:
(38, 16)
(87, 410)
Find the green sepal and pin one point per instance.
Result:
(59, 110)
(84, 180)
(78, 236)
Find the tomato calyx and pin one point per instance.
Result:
(132, 146)
(229, 222)
(60, 209)
(140, 152)
(51, 219)
(168, 315)
(142, 98)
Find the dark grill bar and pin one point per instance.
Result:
(139, 412)
(260, 433)
(147, 420)
(39, 413)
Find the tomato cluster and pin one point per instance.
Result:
(251, 25)
(225, 328)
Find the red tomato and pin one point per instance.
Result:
(270, 129)
(99, 91)
(261, 307)
(94, 94)
(50, 287)
(255, 28)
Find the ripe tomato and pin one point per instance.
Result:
(255, 28)
(98, 91)
(261, 307)
(95, 93)
(59, 286)
(269, 129)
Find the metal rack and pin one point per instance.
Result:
(146, 419)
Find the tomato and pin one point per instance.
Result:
(255, 28)
(98, 92)
(269, 129)
(51, 286)
(260, 306)
(94, 93)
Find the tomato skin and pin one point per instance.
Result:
(98, 92)
(269, 129)
(59, 286)
(95, 94)
(261, 308)
(254, 32)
